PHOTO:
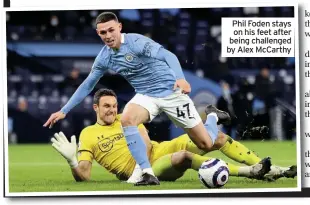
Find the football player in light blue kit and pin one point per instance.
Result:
(160, 86)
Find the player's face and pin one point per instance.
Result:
(106, 110)
(110, 33)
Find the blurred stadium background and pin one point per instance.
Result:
(49, 53)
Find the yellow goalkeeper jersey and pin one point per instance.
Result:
(104, 145)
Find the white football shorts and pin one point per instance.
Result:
(178, 107)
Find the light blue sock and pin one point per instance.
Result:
(137, 146)
(211, 126)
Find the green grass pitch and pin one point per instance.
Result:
(39, 168)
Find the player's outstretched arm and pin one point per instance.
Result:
(173, 62)
(54, 118)
(144, 46)
(65, 148)
(80, 171)
(83, 90)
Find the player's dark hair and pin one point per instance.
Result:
(105, 17)
(103, 92)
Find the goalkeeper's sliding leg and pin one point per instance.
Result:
(240, 153)
(172, 166)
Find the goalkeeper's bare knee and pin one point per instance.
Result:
(181, 159)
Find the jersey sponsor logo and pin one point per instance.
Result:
(106, 144)
(129, 57)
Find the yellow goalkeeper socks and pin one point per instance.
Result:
(238, 152)
(197, 160)
(233, 169)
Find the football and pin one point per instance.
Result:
(213, 173)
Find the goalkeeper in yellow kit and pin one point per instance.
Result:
(104, 142)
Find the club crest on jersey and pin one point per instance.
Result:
(129, 57)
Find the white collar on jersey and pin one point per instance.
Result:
(122, 38)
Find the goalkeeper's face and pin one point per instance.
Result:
(106, 110)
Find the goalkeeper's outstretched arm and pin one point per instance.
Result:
(80, 171)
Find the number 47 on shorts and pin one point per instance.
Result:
(181, 113)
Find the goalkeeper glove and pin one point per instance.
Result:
(65, 148)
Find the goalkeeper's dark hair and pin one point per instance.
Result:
(105, 17)
(103, 92)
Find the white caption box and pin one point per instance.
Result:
(258, 37)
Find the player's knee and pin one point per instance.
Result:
(181, 159)
(220, 140)
(127, 120)
(205, 145)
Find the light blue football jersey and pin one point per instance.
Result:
(136, 62)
